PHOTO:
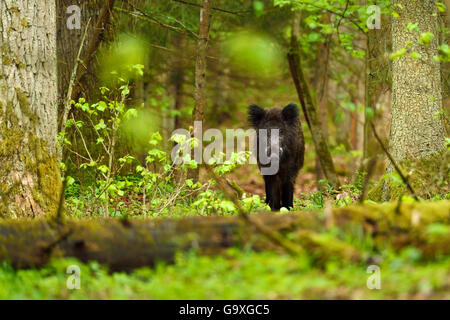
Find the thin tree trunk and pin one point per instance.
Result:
(200, 74)
(223, 103)
(29, 173)
(179, 77)
(375, 79)
(321, 88)
(417, 130)
(308, 106)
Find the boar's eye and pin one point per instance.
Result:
(255, 114)
(290, 113)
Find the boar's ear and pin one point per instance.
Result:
(290, 113)
(255, 114)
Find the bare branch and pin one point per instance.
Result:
(394, 163)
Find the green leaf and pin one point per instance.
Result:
(412, 27)
(101, 125)
(125, 90)
(441, 6)
(415, 55)
(398, 54)
(103, 168)
(189, 183)
(370, 113)
(426, 38)
(131, 113)
(101, 106)
(70, 181)
(258, 8)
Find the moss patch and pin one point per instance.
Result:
(21, 151)
(428, 177)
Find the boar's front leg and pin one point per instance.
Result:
(268, 185)
(273, 192)
(287, 194)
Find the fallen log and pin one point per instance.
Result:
(133, 243)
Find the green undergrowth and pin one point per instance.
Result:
(236, 275)
(321, 272)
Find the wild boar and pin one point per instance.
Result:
(279, 144)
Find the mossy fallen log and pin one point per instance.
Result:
(133, 243)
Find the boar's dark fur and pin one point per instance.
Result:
(280, 186)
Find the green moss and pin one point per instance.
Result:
(41, 166)
(25, 23)
(6, 60)
(45, 166)
(427, 176)
(14, 9)
(25, 106)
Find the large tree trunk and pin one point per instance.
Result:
(308, 106)
(129, 244)
(200, 73)
(29, 172)
(69, 41)
(98, 14)
(417, 130)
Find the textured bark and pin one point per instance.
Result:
(98, 14)
(321, 88)
(69, 41)
(374, 51)
(308, 106)
(416, 130)
(29, 174)
(129, 244)
(416, 125)
(200, 71)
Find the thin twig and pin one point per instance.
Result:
(238, 13)
(370, 170)
(67, 105)
(103, 18)
(335, 13)
(394, 163)
(138, 13)
(340, 20)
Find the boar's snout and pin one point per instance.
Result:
(274, 152)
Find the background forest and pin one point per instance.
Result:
(91, 96)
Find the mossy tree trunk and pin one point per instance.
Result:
(308, 106)
(416, 130)
(29, 172)
(129, 244)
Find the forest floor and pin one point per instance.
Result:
(236, 275)
(407, 268)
